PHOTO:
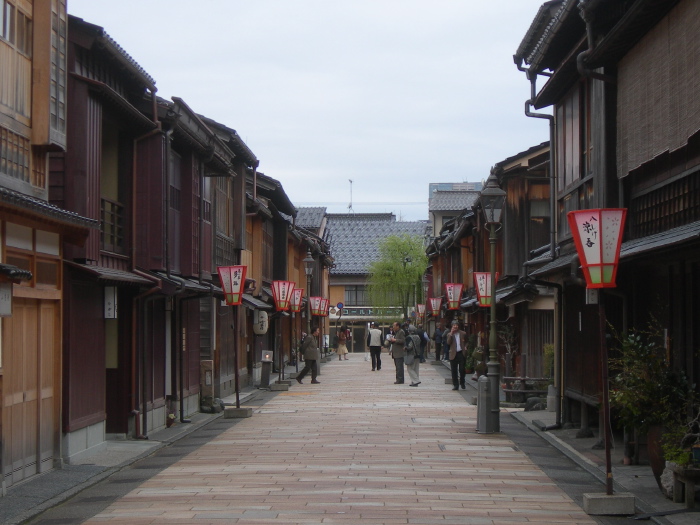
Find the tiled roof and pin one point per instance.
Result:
(354, 239)
(310, 218)
(452, 200)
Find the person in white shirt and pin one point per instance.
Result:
(374, 341)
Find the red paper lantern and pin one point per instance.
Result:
(295, 302)
(282, 294)
(324, 307)
(453, 291)
(315, 303)
(482, 283)
(435, 304)
(598, 236)
(232, 281)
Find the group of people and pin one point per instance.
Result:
(406, 346)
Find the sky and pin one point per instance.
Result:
(353, 105)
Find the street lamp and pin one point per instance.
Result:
(598, 236)
(492, 199)
(309, 269)
(295, 306)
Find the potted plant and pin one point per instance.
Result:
(646, 393)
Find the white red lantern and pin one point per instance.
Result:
(282, 294)
(453, 291)
(232, 281)
(295, 302)
(598, 236)
(435, 304)
(482, 283)
(315, 304)
(324, 307)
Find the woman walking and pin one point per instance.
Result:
(342, 343)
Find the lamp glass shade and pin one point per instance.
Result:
(482, 283)
(453, 291)
(492, 199)
(308, 263)
(435, 304)
(232, 281)
(295, 302)
(598, 236)
(315, 303)
(282, 294)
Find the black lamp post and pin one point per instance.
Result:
(309, 269)
(492, 200)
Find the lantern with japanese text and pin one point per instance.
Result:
(598, 236)
(282, 294)
(482, 283)
(420, 310)
(453, 291)
(232, 281)
(435, 304)
(315, 303)
(324, 307)
(295, 302)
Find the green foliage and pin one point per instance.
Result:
(644, 389)
(396, 278)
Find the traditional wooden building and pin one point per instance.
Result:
(618, 76)
(33, 235)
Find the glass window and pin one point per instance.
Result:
(356, 295)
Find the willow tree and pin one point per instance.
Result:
(396, 278)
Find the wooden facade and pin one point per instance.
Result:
(616, 76)
(33, 234)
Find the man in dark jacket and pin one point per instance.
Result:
(397, 350)
(309, 349)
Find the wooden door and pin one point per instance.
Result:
(31, 346)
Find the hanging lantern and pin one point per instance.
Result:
(232, 281)
(482, 283)
(315, 303)
(420, 309)
(435, 304)
(598, 236)
(282, 294)
(295, 302)
(324, 307)
(453, 291)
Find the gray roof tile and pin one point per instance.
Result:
(442, 200)
(354, 239)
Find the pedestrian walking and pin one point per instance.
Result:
(457, 340)
(437, 337)
(412, 357)
(342, 343)
(374, 341)
(423, 336)
(445, 345)
(309, 348)
(397, 350)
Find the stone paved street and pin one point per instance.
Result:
(354, 449)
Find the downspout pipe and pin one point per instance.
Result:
(532, 77)
(583, 70)
(168, 153)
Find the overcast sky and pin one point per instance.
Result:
(391, 94)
